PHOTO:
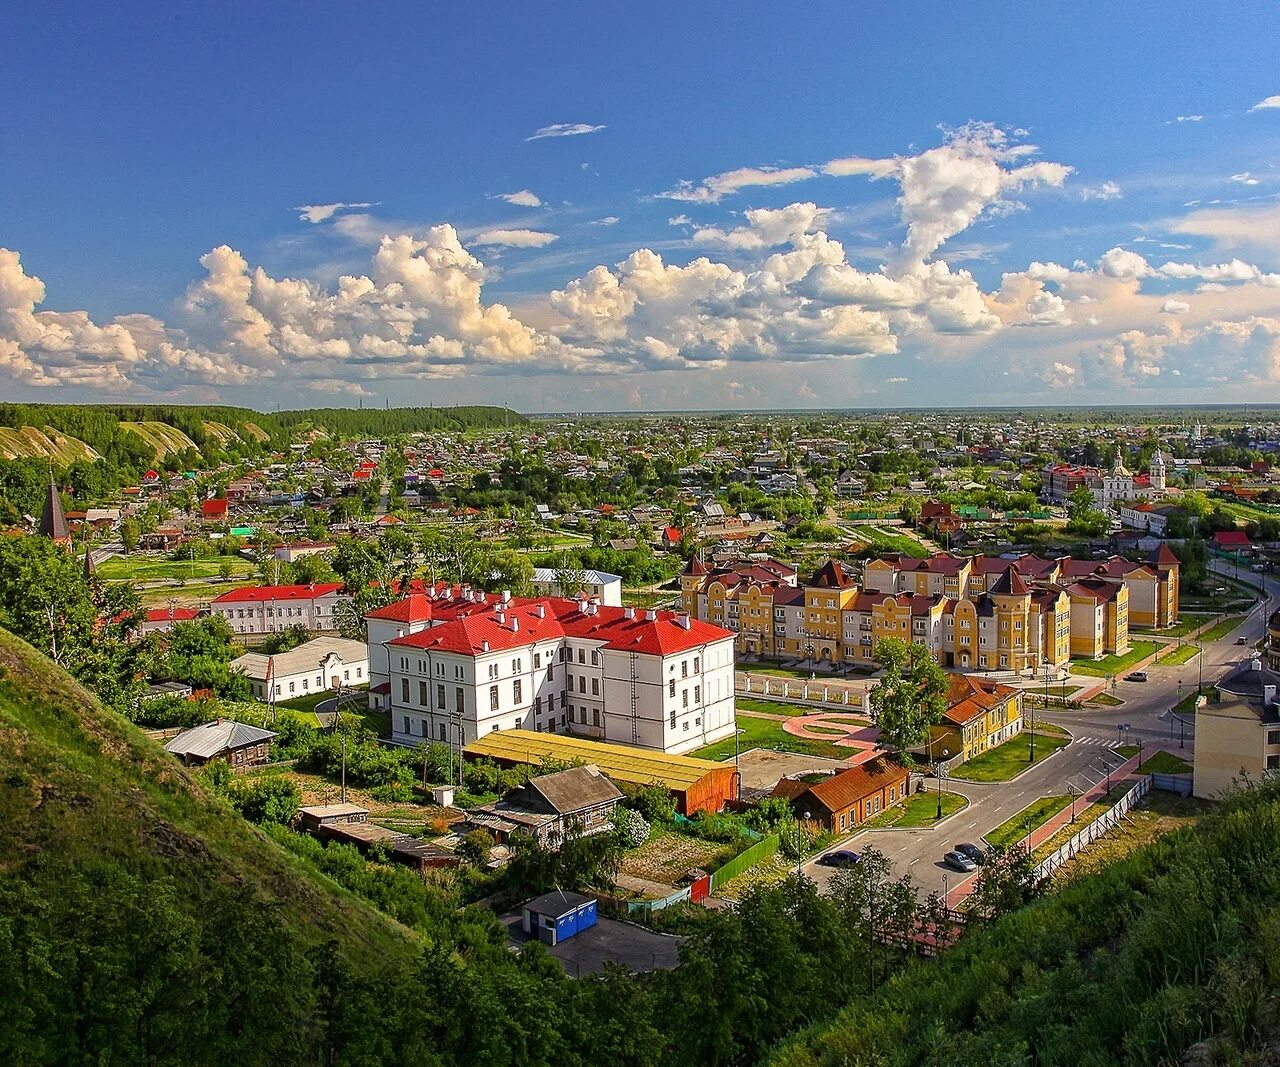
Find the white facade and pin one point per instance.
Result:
(598, 585)
(673, 702)
(269, 609)
(318, 666)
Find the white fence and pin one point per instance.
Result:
(818, 691)
(1107, 821)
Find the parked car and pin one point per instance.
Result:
(1136, 676)
(958, 861)
(973, 852)
(840, 858)
(1242, 640)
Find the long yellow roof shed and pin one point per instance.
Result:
(699, 784)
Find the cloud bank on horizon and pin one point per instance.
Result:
(757, 289)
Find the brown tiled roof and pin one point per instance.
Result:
(845, 789)
(968, 697)
(1009, 584)
(831, 576)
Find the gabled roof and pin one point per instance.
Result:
(574, 789)
(845, 789)
(174, 614)
(969, 697)
(416, 607)
(212, 738)
(1164, 556)
(260, 594)
(518, 624)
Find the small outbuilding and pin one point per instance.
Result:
(557, 916)
(315, 816)
(240, 745)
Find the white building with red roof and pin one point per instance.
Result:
(264, 609)
(463, 663)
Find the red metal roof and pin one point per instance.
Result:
(258, 594)
(517, 624)
(174, 614)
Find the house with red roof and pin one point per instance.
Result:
(263, 609)
(467, 663)
(1232, 541)
(213, 509)
(164, 619)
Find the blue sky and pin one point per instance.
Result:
(1046, 206)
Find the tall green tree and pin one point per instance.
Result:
(911, 695)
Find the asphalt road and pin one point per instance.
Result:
(1147, 712)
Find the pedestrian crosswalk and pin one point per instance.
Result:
(1104, 742)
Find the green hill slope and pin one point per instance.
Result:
(44, 443)
(131, 898)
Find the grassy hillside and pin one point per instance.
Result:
(125, 878)
(1170, 955)
(31, 441)
(160, 437)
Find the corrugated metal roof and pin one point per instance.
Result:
(211, 738)
(635, 766)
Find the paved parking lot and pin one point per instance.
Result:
(609, 941)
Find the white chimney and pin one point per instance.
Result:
(628, 613)
(515, 626)
(650, 615)
(502, 617)
(484, 646)
(683, 622)
(1268, 695)
(540, 611)
(506, 596)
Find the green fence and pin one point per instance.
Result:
(757, 853)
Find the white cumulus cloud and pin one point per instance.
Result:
(521, 198)
(315, 213)
(516, 238)
(1269, 103)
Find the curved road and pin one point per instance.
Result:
(1082, 763)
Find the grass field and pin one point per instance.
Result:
(920, 811)
(1035, 814)
(1175, 657)
(141, 568)
(190, 593)
(1001, 763)
(1189, 621)
(1100, 668)
(1221, 629)
(1105, 700)
(1163, 762)
(16, 442)
(888, 542)
(768, 733)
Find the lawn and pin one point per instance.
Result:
(1189, 621)
(1178, 656)
(780, 707)
(140, 568)
(1100, 668)
(1222, 628)
(1037, 813)
(780, 672)
(1001, 763)
(768, 733)
(1163, 762)
(1105, 700)
(921, 810)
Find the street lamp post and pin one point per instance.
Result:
(940, 773)
(1072, 791)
